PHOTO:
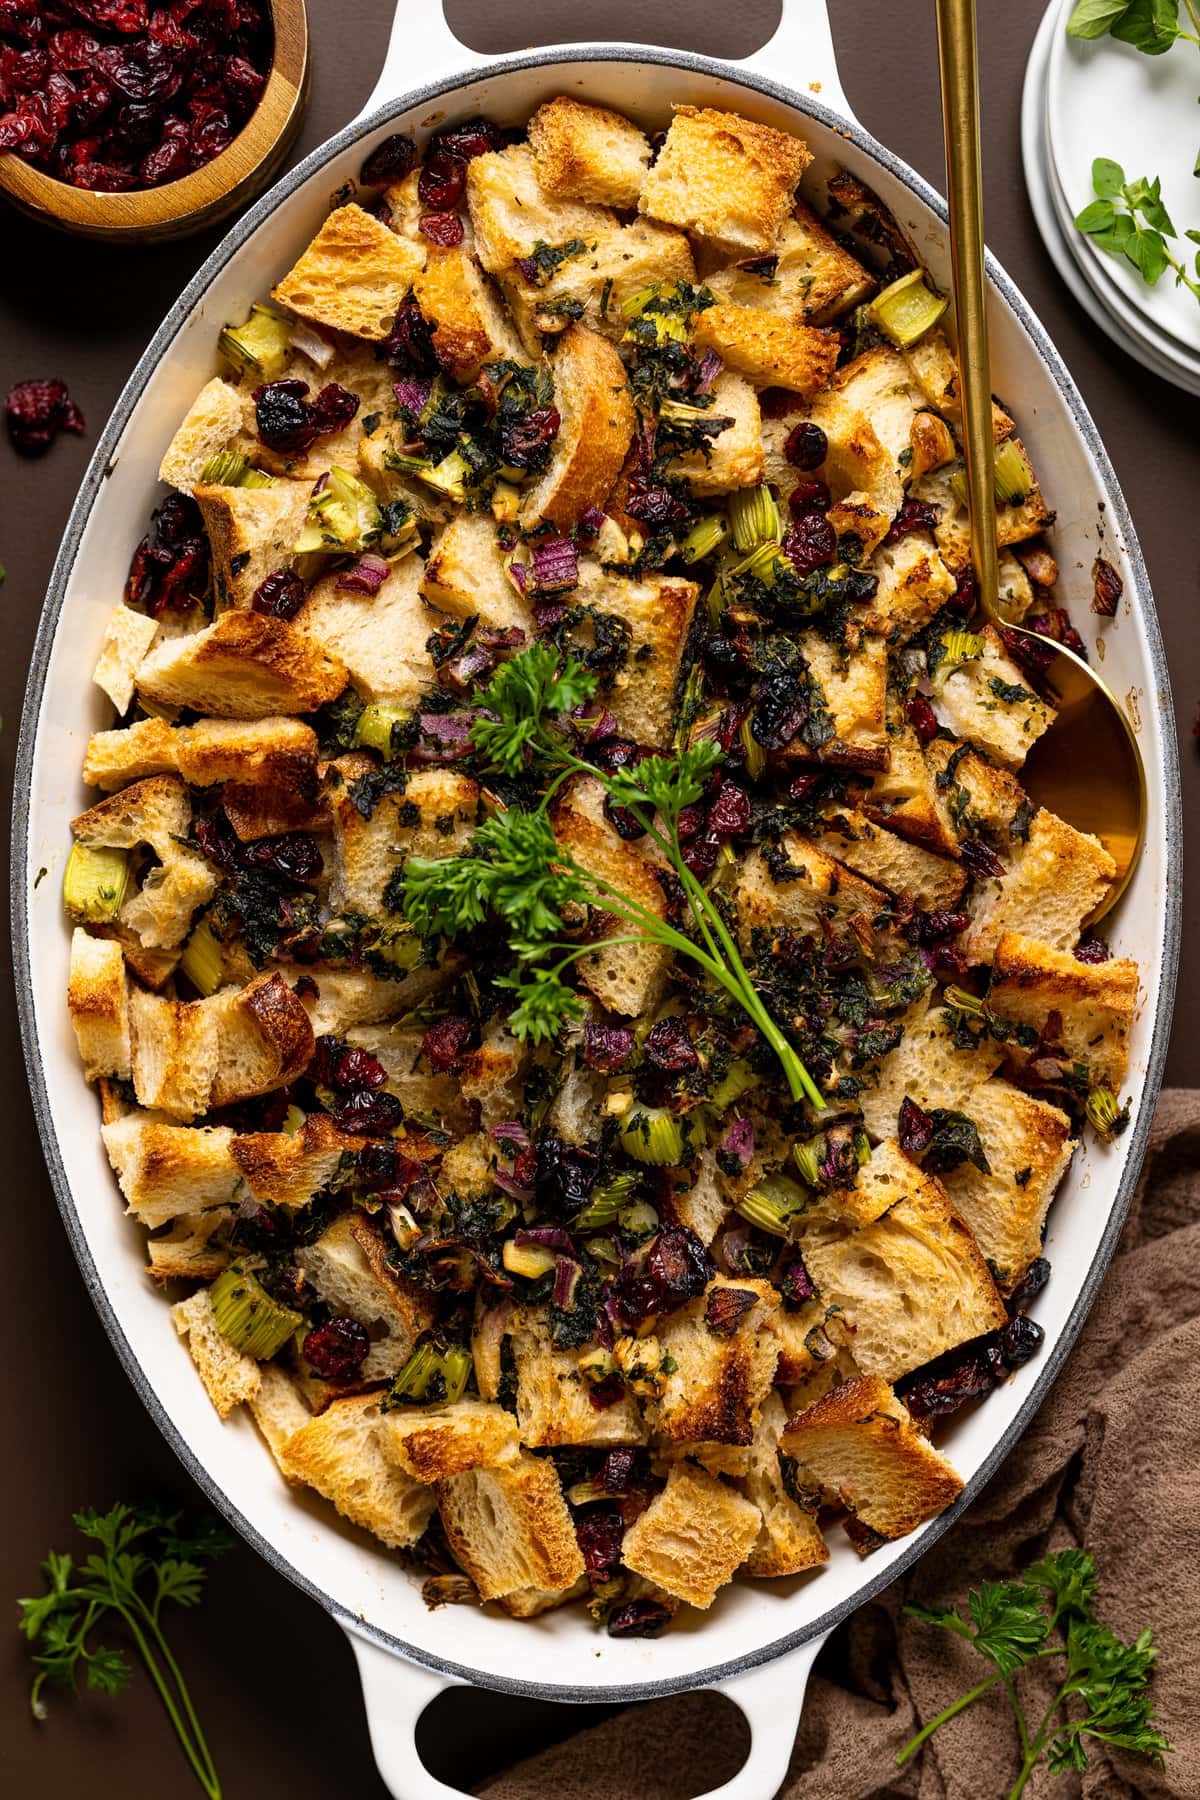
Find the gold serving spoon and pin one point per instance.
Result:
(1087, 767)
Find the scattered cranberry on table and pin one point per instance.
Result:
(112, 95)
(36, 411)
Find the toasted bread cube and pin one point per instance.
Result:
(398, 1047)
(175, 1052)
(657, 611)
(531, 1603)
(511, 212)
(723, 1371)
(808, 276)
(169, 1171)
(433, 815)
(859, 1442)
(470, 326)
(856, 516)
(932, 366)
(156, 812)
(274, 753)
(212, 423)
(282, 1168)
(127, 640)
(735, 455)
(1028, 1145)
(789, 1538)
(982, 798)
(379, 638)
(855, 695)
(188, 1250)
(1055, 880)
(986, 700)
(509, 1528)
(890, 862)
(115, 758)
(345, 1454)
(910, 1285)
(857, 460)
(598, 421)
(552, 1395)
(467, 574)
(228, 1376)
(727, 179)
(810, 887)
(616, 262)
(347, 998)
(877, 386)
(929, 1068)
(353, 275)
(693, 1536)
(252, 532)
(245, 666)
(906, 797)
(432, 1443)
(1095, 1003)
(346, 1266)
(161, 911)
(913, 583)
(279, 1411)
(932, 444)
(588, 153)
(887, 1178)
(702, 1194)
(493, 1075)
(625, 978)
(768, 350)
(1014, 522)
(98, 1001)
(264, 1039)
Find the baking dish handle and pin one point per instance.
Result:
(397, 1692)
(422, 47)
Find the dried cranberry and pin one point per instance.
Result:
(442, 228)
(1020, 1340)
(679, 1266)
(526, 441)
(444, 1043)
(169, 162)
(36, 411)
(981, 860)
(280, 596)
(726, 1308)
(211, 134)
(1029, 653)
(616, 1471)
(914, 1131)
(669, 1048)
(442, 182)
(337, 1350)
(119, 15)
(564, 1175)
(809, 496)
(606, 1393)
(599, 1532)
(357, 1068)
(965, 1377)
(638, 1618)
(700, 856)
(922, 718)
(145, 71)
(409, 344)
(389, 161)
(368, 1114)
(781, 707)
(243, 83)
(103, 178)
(1056, 625)
(607, 1048)
(293, 854)
(283, 419)
(729, 813)
(305, 988)
(475, 137)
(914, 515)
(811, 543)
(1092, 949)
(807, 446)
(657, 506)
(1030, 1285)
(376, 1167)
(796, 1284)
(170, 566)
(931, 927)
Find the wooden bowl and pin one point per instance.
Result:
(208, 194)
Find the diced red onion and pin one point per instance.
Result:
(555, 566)
(546, 616)
(413, 395)
(511, 1132)
(739, 1141)
(607, 1047)
(710, 367)
(518, 574)
(310, 343)
(509, 1185)
(591, 522)
(366, 577)
(566, 1279)
(593, 727)
(546, 1237)
(445, 737)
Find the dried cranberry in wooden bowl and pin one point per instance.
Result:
(162, 140)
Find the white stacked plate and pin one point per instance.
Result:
(1103, 98)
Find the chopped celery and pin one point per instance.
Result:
(1105, 1112)
(225, 469)
(652, 1134)
(396, 944)
(413, 1379)
(963, 1002)
(260, 345)
(1013, 476)
(907, 309)
(343, 516)
(94, 883)
(737, 1080)
(636, 304)
(706, 535)
(456, 1370)
(293, 1121)
(862, 1147)
(766, 562)
(203, 960)
(754, 518)
(772, 1203)
(377, 722)
(960, 647)
(248, 1318)
(756, 756)
(506, 503)
(807, 1158)
(606, 1202)
(256, 478)
(584, 1493)
(529, 1260)
(640, 1220)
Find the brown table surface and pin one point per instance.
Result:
(272, 1676)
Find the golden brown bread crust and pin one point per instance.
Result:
(726, 178)
(693, 1536)
(598, 422)
(353, 275)
(769, 351)
(1095, 1003)
(272, 1010)
(584, 152)
(509, 1527)
(244, 666)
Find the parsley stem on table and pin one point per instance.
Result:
(516, 868)
(145, 1559)
(1012, 1625)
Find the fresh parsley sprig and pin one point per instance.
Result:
(517, 870)
(1128, 218)
(1013, 1624)
(146, 1558)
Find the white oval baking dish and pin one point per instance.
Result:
(759, 1640)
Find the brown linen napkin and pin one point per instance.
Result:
(1110, 1461)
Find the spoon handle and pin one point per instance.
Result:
(958, 52)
